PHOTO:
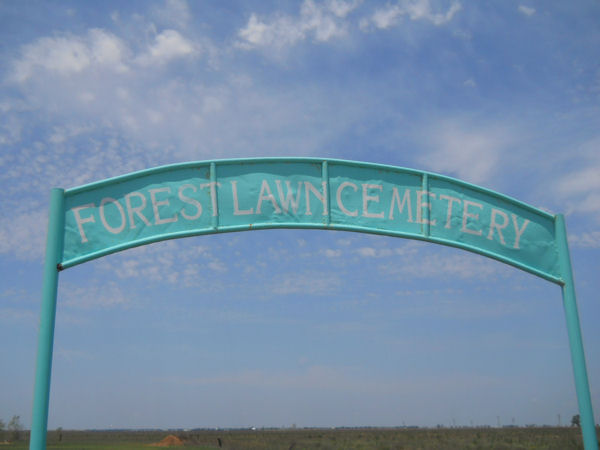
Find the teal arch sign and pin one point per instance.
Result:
(197, 198)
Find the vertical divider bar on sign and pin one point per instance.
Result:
(213, 188)
(325, 179)
(54, 252)
(582, 388)
(425, 224)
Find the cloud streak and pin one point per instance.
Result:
(324, 22)
(167, 46)
(320, 22)
(470, 152)
(419, 10)
(69, 54)
(580, 185)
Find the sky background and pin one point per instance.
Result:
(282, 327)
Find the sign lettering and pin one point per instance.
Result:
(201, 198)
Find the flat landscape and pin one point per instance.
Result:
(340, 438)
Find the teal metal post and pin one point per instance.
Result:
(54, 249)
(586, 414)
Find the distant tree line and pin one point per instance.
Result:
(13, 431)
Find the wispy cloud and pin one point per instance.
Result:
(373, 252)
(585, 240)
(468, 151)
(391, 15)
(173, 262)
(579, 185)
(12, 315)
(308, 282)
(318, 21)
(322, 22)
(99, 83)
(526, 10)
(332, 253)
(93, 296)
(24, 234)
(98, 50)
(168, 45)
(173, 13)
(70, 54)
(462, 266)
(95, 92)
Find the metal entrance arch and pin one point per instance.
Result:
(208, 197)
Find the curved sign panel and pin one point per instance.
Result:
(235, 195)
(245, 194)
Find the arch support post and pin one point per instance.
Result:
(582, 388)
(54, 250)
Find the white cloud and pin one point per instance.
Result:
(173, 120)
(470, 83)
(332, 253)
(173, 261)
(320, 21)
(462, 266)
(317, 20)
(471, 153)
(97, 50)
(527, 10)
(168, 45)
(580, 186)
(305, 283)
(217, 266)
(370, 252)
(107, 295)
(124, 129)
(585, 240)
(99, 84)
(386, 17)
(24, 234)
(367, 252)
(421, 10)
(581, 181)
(346, 242)
(174, 12)
(10, 129)
(342, 8)
(12, 315)
(62, 55)
(391, 15)
(61, 133)
(69, 54)
(108, 50)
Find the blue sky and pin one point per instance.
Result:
(282, 327)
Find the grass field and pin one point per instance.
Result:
(367, 438)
